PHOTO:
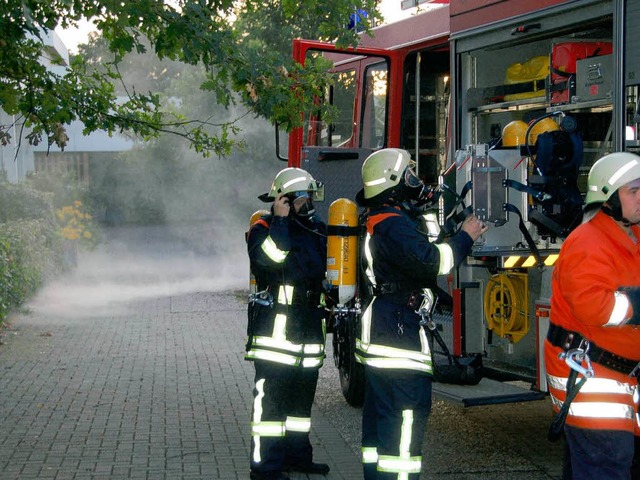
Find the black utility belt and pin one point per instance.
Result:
(306, 297)
(393, 288)
(567, 340)
(301, 296)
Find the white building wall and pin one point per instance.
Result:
(98, 141)
(17, 158)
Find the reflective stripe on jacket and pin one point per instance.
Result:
(399, 252)
(288, 258)
(404, 346)
(281, 341)
(603, 403)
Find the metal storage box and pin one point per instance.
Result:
(594, 79)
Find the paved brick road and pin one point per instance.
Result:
(119, 370)
(159, 390)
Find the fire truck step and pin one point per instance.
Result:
(487, 392)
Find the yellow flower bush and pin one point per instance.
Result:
(75, 222)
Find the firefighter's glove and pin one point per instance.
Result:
(633, 294)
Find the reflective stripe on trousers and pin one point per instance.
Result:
(394, 418)
(402, 464)
(258, 427)
(298, 424)
(281, 416)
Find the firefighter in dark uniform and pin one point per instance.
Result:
(286, 332)
(393, 345)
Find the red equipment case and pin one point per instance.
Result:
(563, 66)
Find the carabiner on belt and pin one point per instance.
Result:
(574, 358)
(263, 298)
(428, 305)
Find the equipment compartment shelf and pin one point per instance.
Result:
(604, 104)
(542, 102)
(524, 104)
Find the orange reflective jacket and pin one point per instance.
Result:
(596, 259)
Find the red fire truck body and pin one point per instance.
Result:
(444, 84)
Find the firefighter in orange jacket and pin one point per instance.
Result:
(392, 344)
(592, 350)
(286, 332)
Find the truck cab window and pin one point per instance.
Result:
(341, 96)
(374, 108)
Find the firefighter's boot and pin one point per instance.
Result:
(313, 468)
(269, 476)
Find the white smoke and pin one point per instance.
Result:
(141, 264)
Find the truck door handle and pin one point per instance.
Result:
(525, 28)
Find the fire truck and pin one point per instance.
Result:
(504, 106)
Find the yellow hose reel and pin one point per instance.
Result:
(506, 305)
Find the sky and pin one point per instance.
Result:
(72, 37)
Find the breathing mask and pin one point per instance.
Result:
(414, 189)
(301, 200)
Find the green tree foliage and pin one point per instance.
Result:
(239, 44)
(162, 181)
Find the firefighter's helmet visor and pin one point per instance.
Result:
(297, 195)
(317, 194)
(411, 180)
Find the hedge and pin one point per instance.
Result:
(30, 244)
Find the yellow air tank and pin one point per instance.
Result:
(342, 250)
(254, 218)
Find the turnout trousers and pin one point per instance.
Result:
(281, 416)
(397, 404)
(598, 454)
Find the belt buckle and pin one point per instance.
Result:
(584, 345)
(636, 371)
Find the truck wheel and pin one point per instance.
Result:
(351, 372)
(352, 383)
